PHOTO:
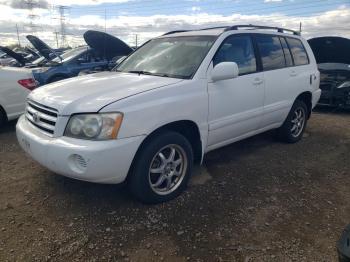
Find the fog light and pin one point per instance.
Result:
(77, 163)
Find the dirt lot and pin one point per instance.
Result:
(257, 200)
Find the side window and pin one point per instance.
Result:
(84, 58)
(237, 49)
(271, 52)
(298, 51)
(287, 54)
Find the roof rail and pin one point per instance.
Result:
(176, 31)
(279, 29)
(200, 29)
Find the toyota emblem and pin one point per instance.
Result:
(36, 117)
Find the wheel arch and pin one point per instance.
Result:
(187, 128)
(306, 97)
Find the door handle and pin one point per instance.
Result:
(258, 81)
(293, 73)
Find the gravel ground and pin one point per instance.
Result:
(256, 200)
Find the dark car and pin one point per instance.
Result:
(333, 59)
(100, 50)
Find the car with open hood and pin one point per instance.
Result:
(100, 50)
(333, 59)
(11, 58)
(171, 101)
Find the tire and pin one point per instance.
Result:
(294, 126)
(171, 172)
(3, 118)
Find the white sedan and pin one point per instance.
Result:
(16, 84)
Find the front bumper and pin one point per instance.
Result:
(94, 161)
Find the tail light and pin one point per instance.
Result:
(29, 83)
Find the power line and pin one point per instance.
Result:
(171, 6)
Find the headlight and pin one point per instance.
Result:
(102, 126)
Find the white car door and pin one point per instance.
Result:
(283, 80)
(235, 105)
(277, 65)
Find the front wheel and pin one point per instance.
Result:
(162, 168)
(294, 126)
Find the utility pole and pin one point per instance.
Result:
(300, 27)
(62, 9)
(56, 37)
(31, 4)
(136, 40)
(19, 42)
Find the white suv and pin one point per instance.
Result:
(170, 102)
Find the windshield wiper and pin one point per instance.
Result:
(140, 72)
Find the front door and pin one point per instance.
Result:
(235, 105)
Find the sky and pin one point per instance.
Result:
(139, 20)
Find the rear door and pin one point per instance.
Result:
(279, 75)
(304, 72)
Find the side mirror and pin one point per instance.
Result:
(224, 71)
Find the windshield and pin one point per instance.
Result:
(177, 57)
(70, 54)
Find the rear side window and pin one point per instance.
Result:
(238, 49)
(286, 51)
(298, 51)
(271, 52)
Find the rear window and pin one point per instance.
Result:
(271, 52)
(298, 51)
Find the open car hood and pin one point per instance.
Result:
(107, 45)
(42, 48)
(331, 49)
(19, 58)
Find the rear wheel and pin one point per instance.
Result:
(294, 126)
(162, 168)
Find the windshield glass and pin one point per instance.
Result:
(177, 57)
(70, 54)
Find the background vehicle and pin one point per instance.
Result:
(16, 84)
(5, 59)
(168, 103)
(333, 59)
(101, 49)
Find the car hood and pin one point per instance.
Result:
(331, 49)
(90, 93)
(19, 58)
(106, 44)
(42, 47)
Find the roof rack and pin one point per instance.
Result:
(200, 29)
(279, 29)
(177, 31)
(237, 27)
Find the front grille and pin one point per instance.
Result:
(42, 117)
